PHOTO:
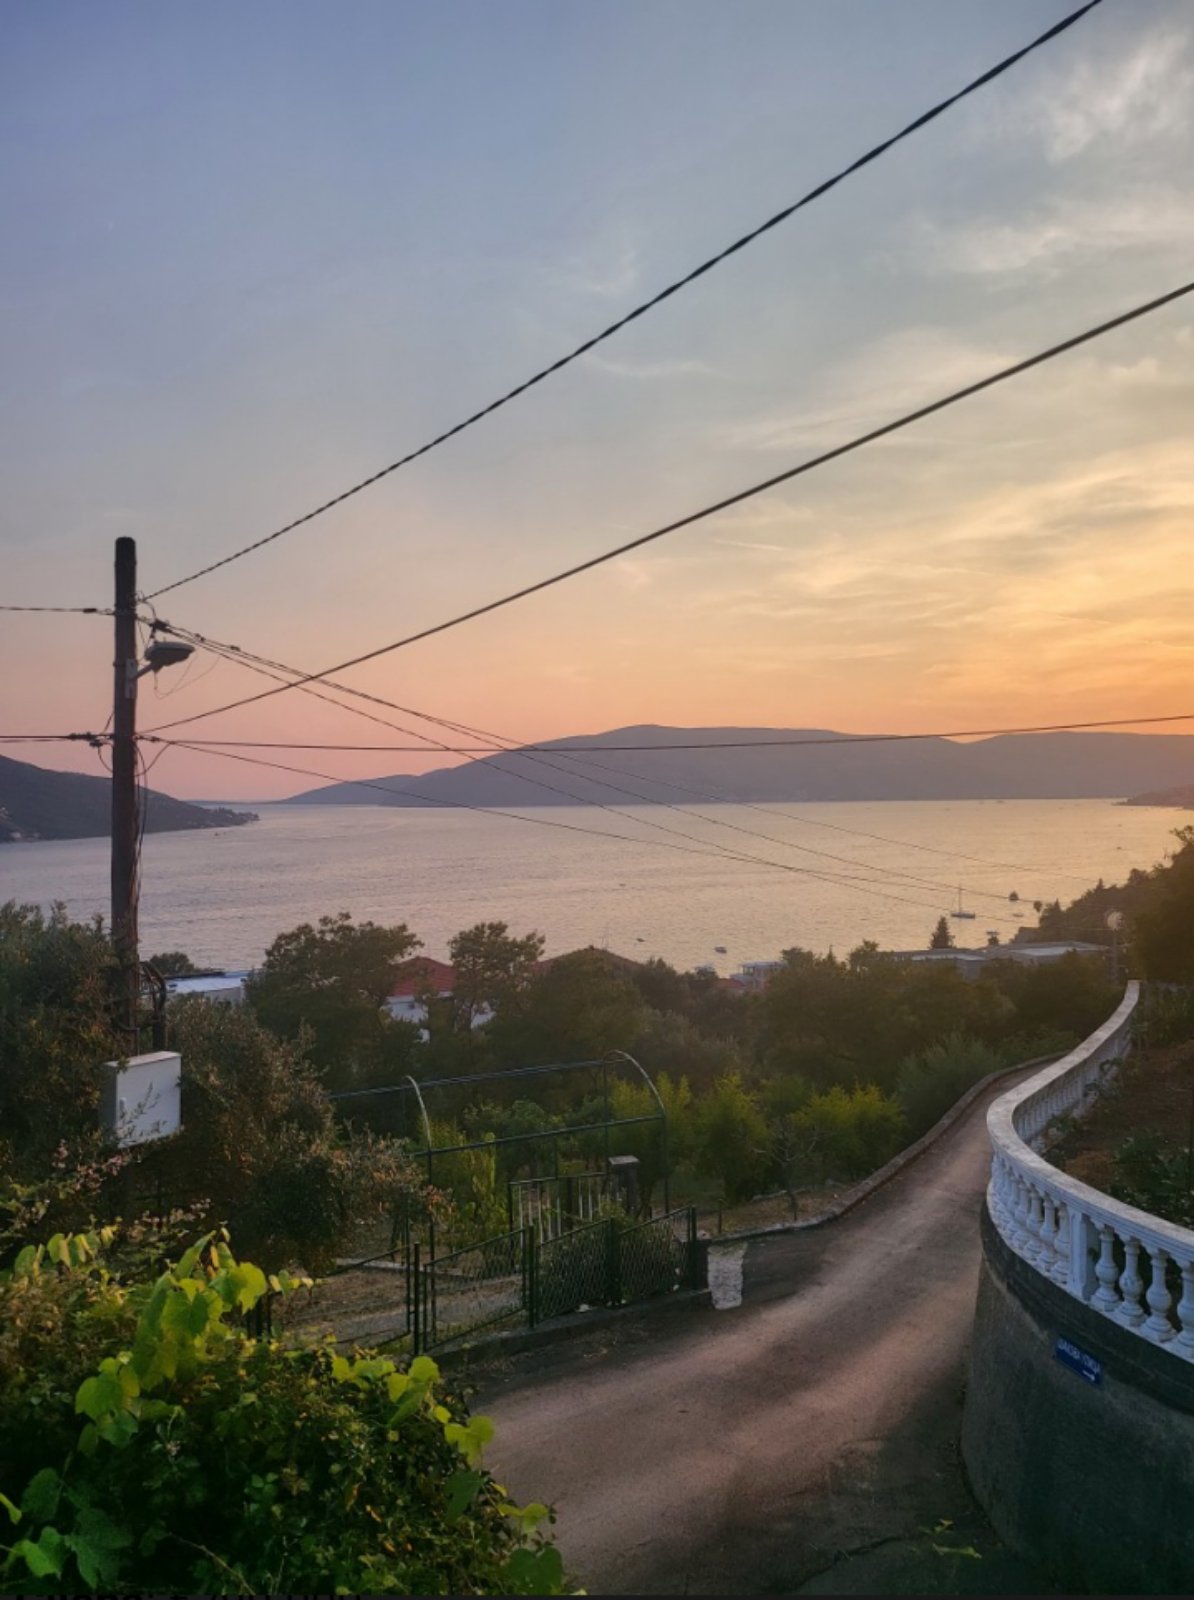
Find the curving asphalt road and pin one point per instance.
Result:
(747, 1451)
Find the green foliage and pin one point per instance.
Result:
(1164, 927)
(582, 1006)
(149, 1445)
(674, 1044)
(173, 964)
(1070, 997)
(1166, 1016)
(657, 1157)
(494, 970)
(55, 1032)
(259, 1142)
(849, 1132)
(732, 1137)
(834, 1022)
(942, 938)
(327, 985)
(930, 1082)
(1156, 1177)
(475, 1207)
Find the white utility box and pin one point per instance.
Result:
(142, 1098)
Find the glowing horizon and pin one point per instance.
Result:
(227, 308)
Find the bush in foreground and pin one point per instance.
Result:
(149, 1445)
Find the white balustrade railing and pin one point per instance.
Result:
(1129, 1265)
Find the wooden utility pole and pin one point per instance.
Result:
(124, 795)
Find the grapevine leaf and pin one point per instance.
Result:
(42, 1492)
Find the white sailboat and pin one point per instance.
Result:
(968, 916)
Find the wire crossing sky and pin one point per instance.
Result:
(699, 271)
(257, 247)
(826, 456)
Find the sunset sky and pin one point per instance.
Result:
(255, 253)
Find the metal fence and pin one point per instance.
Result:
(555, 1205)
(481, 1286)
(511, 1280)
(659, 1256)
(573, 1271)
(514, 1280)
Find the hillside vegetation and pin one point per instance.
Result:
(36, 803)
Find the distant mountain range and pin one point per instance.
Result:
(36, 803)
(1042, 766)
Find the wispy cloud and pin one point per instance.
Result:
(896, 372)
(616, 274)
(750, 544)
(1145, 93)
(651, 370)
(1055, 236)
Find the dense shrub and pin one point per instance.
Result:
(1156, 1177)
(325, 986)
(55, 1032)
(260, 1144)
(930, 1082)
(149, 1445)
(850, 1132)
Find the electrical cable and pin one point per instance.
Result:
(261, 663)
(48, 738)
(901, 877)
(857, 443)
(648, 749)
(570, 795)
(517, 816)
(78, 611)
(666, 293)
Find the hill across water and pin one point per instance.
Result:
(765, 764)
(36, 803)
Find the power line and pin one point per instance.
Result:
(706, 266)
(718, 854)
(711, 744)
(273, 669)
(50, 738)
(79, 611)
(857, 443)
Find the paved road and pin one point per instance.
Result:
(746, 1451)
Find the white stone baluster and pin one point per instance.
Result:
(1047, 1234)
(1105, 1296)
(1019, 1238)
(1061, 1246)
(1081, 1279)
(1131, 1285)
(996, 1198)
(1185, 1312)
(1158, 1327)
(1033, 1224)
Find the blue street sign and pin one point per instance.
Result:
(1078, 1361)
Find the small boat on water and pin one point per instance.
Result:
(967, 916)
(719, 949)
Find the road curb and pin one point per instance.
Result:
(863, 1191)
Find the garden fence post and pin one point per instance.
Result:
(413, 1285)
(530, 1257)
(613, 1263)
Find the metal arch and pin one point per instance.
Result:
(422, 1111)
(624, 1057)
